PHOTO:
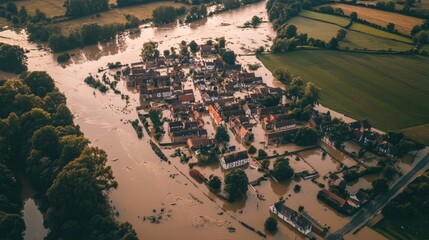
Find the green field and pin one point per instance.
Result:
(354, 40)
(390, 90)
(342, 21)
(362, 41)
(419, 133)
(379, 33)
(316, 29)
(399, 229)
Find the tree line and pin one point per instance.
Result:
(39, 139)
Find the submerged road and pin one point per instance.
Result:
(379, 202)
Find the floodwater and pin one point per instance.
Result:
(33, 218)
(147, 185)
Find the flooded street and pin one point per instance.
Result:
(149, 187)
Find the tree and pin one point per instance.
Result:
(236, 184)
(166, 53)
(79, 8)
(231, 4)
(214, 182)
(164, 14)
(283, 75)
(262, 153)
(291, 31)
(251, 150)
(421, 38)
(341, 34)
(155, 116)
(63, 116)
(380, 185)
(389, 172)
(339, 132)
(390, 27)
(184, 50)
(306, 136)
(193, 46)
(221, 134)
(149, 51)
(311, 93)
(354, 16)
(11, 7)
(46, 140)
(40, 83)
(222, 42)
(255, 21)
(229, 57)
(12, 58)
(282, 170)
(333, 43)
(271, 224)
(416, 29)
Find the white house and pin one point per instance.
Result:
(234, 160)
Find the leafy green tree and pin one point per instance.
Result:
(271, 224)
(215, 182)
(184, 50)
(333, 43)
(262, 153)
(306, 136)
(79, 8)
(193, 46)
(12, 58)
(390, 27)
(311, 93)
(416, 29)
(255, 21)
(11, 7)
(354, 16)
(63, 116)
(283, 75)
(380, 185)
(231, 4)
(341, 34)
(40, 83)
(222, 42)
(251, 150)
(421, 38)
(46, 140)
(149, 51)
(339, 132)
(282, 170)
(236, 184)
(229, 57)
(221, 134)
(155, 116)
(164, 14)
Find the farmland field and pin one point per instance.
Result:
(379, 33)
(419, 133)
(390, 90)
(403, 23)
(354, 40)
(362, 41)
(315, 28)
(342, 21)
(116, 15)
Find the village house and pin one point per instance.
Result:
(282, 136)
(183, 135)
(196, 143)
(215, 115)
(321, 121)
(206, 50)
(147, 94)
(278, 122)
(179, 109)
(264, 112)
(233, 160)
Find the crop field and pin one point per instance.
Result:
(342, 21)
(50, 7)
(390, 90)
(379, 33)
(403, 23)
(116, 15)
(314, 28)
(419, 133)
(362, 41)
(354, 40)
(397, 229)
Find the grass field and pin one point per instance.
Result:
(400, 229)
(403, 23)
(379, 33)
(342, 21)
(50, 7)
(390, 90)
(419, 133)
(358, 40)
(314, 28)
(354, 40)
(116, 15)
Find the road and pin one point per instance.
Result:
(373, 207)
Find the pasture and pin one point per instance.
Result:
(379, 33)
(403, 23)
(341, 21)
(116, 15)
(354, 40)
(390, 90)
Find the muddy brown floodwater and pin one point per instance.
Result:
(147, 186)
